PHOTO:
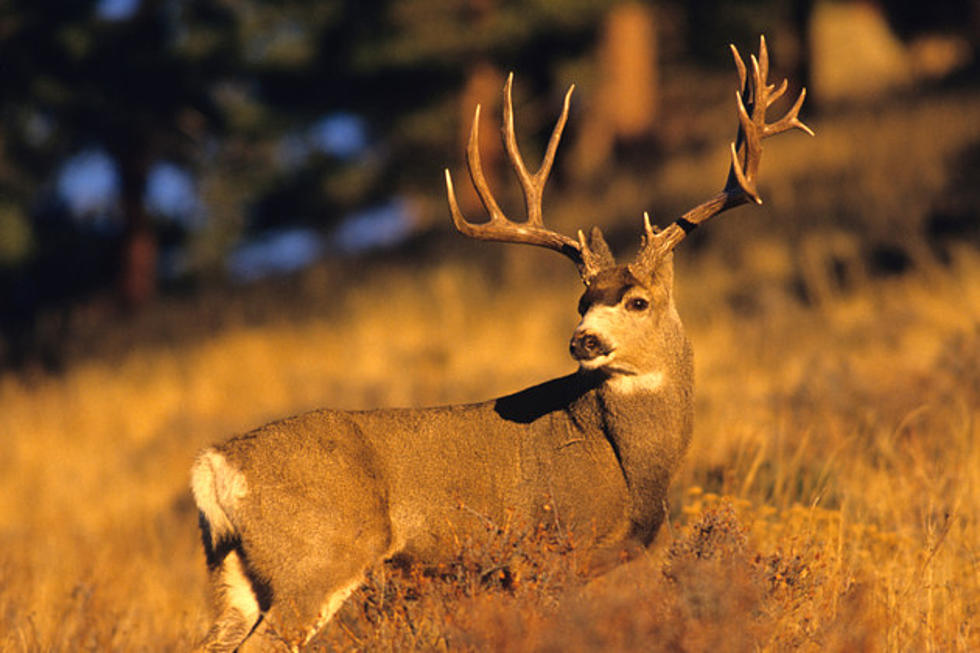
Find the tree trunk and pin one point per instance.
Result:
(138, 259)
(626, 98)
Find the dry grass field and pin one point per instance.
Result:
(830, 501)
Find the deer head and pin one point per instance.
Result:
(623, 304)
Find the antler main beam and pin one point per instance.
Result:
(531, 232)
(753, 99)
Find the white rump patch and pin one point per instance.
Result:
(630, 383)
(217, 488)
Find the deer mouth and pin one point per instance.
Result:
(597, 363)
(590, 350)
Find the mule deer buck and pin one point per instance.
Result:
(292, 514)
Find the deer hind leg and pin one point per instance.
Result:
(306, 601)
(236, 605)
(330, 607)
(311, 576)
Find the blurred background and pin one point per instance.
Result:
(169, 167)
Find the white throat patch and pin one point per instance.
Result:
(631, 383)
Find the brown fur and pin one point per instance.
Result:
(330, 493)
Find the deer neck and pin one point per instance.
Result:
(648, 419)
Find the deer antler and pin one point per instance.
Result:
(755, 96)
(589, 257)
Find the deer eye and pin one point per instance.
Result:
(637, 304)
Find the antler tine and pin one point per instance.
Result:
(739, 65)
(754, 97)
(749, 141)
(532, 185)
(763, 57)
(778, 93)
(549, 153)
(791, 119)
(476, 171)
(531, 232)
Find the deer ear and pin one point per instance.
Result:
(600, 249)
(595, 254)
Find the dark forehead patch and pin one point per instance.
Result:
(608, 287)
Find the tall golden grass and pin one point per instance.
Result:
(830, 499)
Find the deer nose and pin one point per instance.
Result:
(586, 345)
